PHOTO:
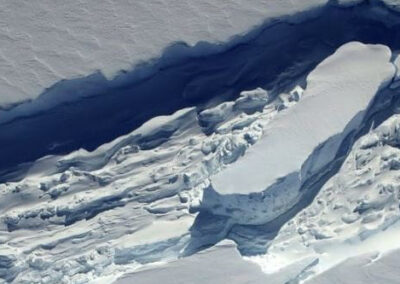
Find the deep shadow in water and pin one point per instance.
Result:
(275, 57)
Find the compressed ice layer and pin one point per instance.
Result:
(337, 93)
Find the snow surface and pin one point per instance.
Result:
(338, 90)
(43, 42)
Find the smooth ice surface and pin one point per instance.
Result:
(42, 42)
(339, 88)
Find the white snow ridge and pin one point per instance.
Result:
(264, 155)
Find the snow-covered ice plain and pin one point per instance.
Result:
(43, 42)
(200, 142)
